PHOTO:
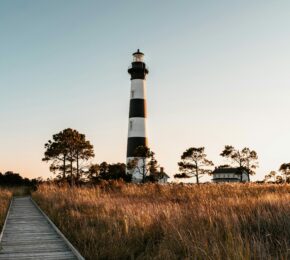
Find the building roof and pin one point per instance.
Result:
(163, 174)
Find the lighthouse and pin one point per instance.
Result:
(137, 133)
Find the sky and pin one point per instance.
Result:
(218, 75)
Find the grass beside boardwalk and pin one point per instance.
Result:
(173, 221)
(5, 197)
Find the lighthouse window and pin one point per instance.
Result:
(132, 93)
(131, 125)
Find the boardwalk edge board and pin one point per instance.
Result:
(73, 249)
(5, 222)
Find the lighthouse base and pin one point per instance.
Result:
(138, 173)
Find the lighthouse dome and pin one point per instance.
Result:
(138, 56)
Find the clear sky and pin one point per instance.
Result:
(219, 74)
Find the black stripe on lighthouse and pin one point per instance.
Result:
(137, 108)
(134, 143)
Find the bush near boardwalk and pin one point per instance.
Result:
(126, 221)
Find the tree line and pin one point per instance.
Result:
(194, 162)
(15, 179)
(69, 152)
(282, 176)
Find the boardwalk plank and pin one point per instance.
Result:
(29, 235)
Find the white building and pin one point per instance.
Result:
(227, 174)
(163, 177)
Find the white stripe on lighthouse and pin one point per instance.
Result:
(137, 127)
(138, 89)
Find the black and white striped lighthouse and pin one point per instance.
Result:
(137, 133)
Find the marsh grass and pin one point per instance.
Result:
(123, 221)
(5, 197)
(21, 191)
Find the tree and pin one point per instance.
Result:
(11, 178)
(246, 158)
(93, 173)
(117, 171)
(157, 175)
(279, 179)
(56, 151)
(271, 176)
(154, 174)
(143, 162)
(285, 171)
(194, 164)
(153, 165)
(83, 150)
(105, 171)
(68, 145)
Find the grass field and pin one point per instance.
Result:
(173, 221)
(5, 197)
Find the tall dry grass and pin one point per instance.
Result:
(5, 197)
(173, 221)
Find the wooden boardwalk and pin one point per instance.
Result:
(28, 234)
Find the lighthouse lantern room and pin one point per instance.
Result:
(138, 56)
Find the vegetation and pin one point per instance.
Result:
(123, 221)
(10, 179)
(194, 163)
(245, 158)
(282, 177)
(272, 177)
(68, 146)
(285, 171)
(106, 171)
(5, 197)
(143, 163)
